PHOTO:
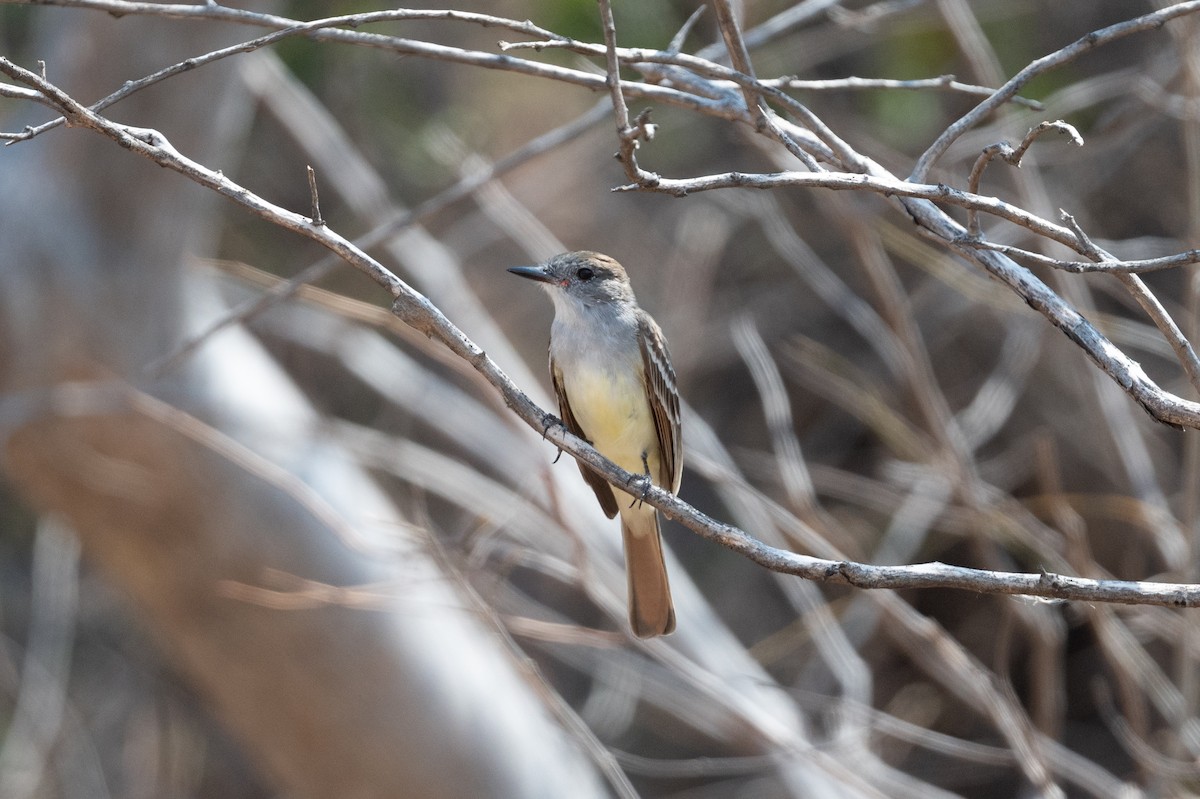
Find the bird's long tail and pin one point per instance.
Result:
(651, 611)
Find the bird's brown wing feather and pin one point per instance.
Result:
(604, 492)
(664, 400)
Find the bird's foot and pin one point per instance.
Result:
(550, 420)
(643, 481)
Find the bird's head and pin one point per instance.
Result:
(589, 278)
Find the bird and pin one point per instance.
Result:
(617, 390)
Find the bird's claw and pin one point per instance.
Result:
(644, 480)
(550, 420)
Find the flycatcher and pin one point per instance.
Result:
(616, 389)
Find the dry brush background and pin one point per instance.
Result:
(313, 554)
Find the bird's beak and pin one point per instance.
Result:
(537, 273)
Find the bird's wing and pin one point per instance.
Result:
(604, 492)
(664, 400)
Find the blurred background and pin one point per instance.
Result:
(308, 554)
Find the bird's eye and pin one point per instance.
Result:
(585, 273)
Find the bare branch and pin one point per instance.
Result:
(627, 135)
(1012, 157)
(1160, 404)
(1139, 266)
(943, 82)
(878, 182)
(739, 57)
(1148, 302)
(21, 93)
(1046, 63)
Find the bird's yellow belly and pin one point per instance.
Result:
(614, 413)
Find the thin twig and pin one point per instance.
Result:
(739, 57)
(1056, 59)
(314, 199)
(1148, 302)
(942, 82)
(627, 135)
(752, 90)
(1011, 156)
(880, 183)
(1139, 266)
